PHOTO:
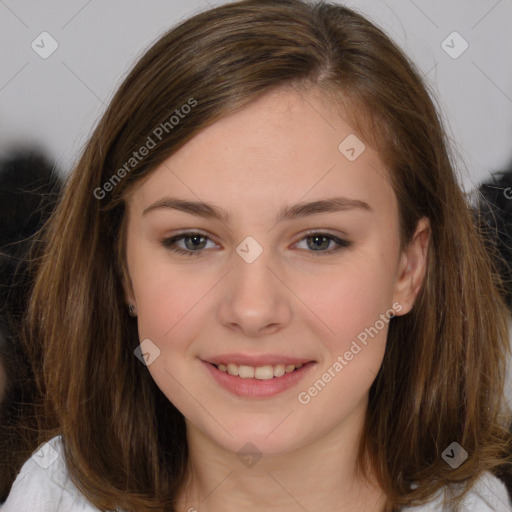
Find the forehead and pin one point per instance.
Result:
(284, 147)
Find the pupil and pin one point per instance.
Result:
(321, 246)
(195, 238)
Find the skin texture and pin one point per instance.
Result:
(280, 150)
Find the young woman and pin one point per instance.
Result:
(263, 288)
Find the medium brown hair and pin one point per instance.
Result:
(442, 378)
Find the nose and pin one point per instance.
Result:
(255, 301)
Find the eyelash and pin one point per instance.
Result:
(169, 243)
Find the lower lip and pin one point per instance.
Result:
(257, 388)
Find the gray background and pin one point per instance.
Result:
(55, 102)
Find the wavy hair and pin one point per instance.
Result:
(442, 377)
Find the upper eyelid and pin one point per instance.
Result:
(191, 232)
(307, 233)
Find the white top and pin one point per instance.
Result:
(43, 485)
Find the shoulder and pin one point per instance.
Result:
(43, 484)
(489, 494)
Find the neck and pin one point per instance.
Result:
(321, 475)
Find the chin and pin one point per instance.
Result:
(264, 438)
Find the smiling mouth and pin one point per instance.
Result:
(258, 382)
(265, 372)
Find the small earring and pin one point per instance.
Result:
(131, 310)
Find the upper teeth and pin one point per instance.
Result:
(258, 372)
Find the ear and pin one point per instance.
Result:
(126, 282)
(412, 267)
(122, 264)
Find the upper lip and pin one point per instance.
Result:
(256, 360)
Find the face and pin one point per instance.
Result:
(268, 273)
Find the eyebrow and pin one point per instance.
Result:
(210, 211)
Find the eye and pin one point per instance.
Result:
(194, 243)
(319, 243)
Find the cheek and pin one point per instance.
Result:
(171, 313)
(355, 309)
(162, 296)
(350, 297)
(168, 301)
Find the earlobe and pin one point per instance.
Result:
(412, 268)
(130, 303)
(129, 296)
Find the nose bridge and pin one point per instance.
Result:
(253, 298)
(252, 281)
